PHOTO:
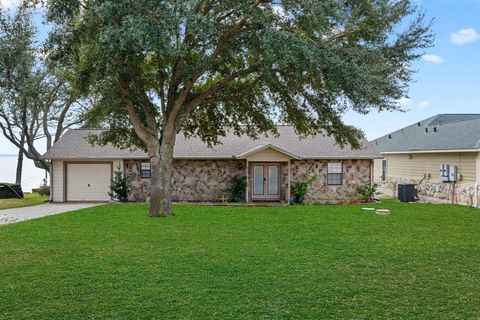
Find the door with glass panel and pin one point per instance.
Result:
(265, 181)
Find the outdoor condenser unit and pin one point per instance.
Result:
(407, 192)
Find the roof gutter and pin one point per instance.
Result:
(430, 151)
(333, 157)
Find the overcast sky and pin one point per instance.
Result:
(448, 77)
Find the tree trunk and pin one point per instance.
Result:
(18, 177)
(162, 162)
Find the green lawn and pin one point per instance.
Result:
(30, 199)
(298, 262)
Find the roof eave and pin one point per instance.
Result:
(344, 157)
(431, 151)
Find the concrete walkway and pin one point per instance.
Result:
(15, 215)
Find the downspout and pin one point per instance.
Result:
(453, 191)
(477, 182)
(475, 195)
(247, 189)
(289, 185)
(50, 197)
(372, 163)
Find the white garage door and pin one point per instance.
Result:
(88, 181)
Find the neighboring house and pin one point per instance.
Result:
(415, 154)
(82, 172)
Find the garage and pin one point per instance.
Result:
(88, 181)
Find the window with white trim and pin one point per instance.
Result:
(334, 174)
(145, 170)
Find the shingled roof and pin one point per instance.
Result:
(440, 132)
(74, 145)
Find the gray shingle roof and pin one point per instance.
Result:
(440, 132)
(74, 145)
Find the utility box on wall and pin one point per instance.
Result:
(444, 172)
(452, 173)
(448, 172)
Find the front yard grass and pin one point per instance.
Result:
(297, 262)
(30, 199)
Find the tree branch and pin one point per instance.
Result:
(222, 41)
(149, 109)
(201, 97)
(138, 126)
(61, 120)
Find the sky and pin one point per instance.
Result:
(448, 75)
(447, 78)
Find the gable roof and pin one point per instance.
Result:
(74, 145)
(265, 147)
(440, 132)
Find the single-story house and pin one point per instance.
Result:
(81, 171)
(415, 154)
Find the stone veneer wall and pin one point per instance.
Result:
(430, 191)
(355, 173)
(192, 180)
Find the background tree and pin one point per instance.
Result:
(202, 67)
(36, 103)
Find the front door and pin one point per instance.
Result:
(266, 181)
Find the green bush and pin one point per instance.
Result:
(300, 188)
(43, 191)
(120, 186)
(367, 192)
(237, 188)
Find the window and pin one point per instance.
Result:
(145, 170)
(334, 175)
(384, 169)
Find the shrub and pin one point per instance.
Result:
(300, 188)
(367, 192)
(120, 186)
(237, 188)
(43, 191)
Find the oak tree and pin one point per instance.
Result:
(36, 102)
(202, 67)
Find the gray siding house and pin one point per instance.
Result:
(83, 172)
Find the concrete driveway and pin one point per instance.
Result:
(15, 215)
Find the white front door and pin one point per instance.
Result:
(88, 181)
(265, 181)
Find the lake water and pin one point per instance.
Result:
(31, 176)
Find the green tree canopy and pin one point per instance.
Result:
(202, 67)
(36, 102)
